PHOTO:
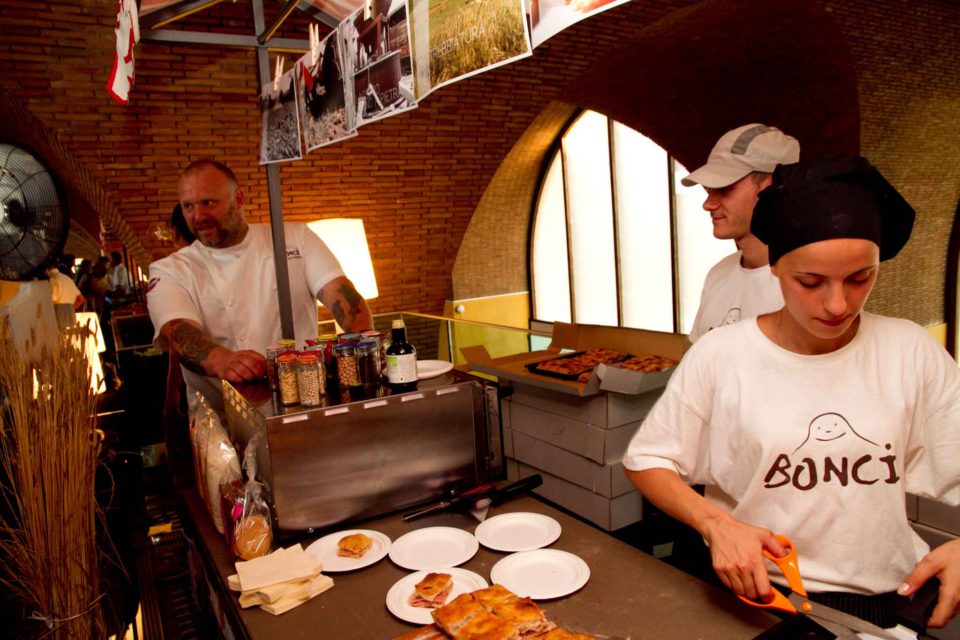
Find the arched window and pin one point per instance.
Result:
(616, 240)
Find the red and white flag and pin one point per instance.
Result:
(127, 30)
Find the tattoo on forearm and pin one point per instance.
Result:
(191, 343)
(346, 317)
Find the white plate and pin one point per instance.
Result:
(433, 548)
(517, 531)
(325, 550)
(432, 368)
(398, 597)
(541, 574)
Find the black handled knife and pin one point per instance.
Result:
(496, 496)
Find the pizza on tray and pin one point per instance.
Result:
(494, 613)
(581, 363)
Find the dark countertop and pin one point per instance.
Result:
(630, 594)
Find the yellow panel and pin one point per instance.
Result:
(939, 331)
(506, 310)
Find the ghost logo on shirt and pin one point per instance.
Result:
(828, 427)
(293, 253)
(732, 317)
(832, 453)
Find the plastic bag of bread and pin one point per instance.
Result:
(253, 531)
(214, 458)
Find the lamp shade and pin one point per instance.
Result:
(347, 240)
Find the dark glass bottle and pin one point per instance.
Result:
(401, 359)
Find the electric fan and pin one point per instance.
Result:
(33, 220)
(33, 230)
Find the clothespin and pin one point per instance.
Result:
(314, 43)
(367, 9)
(278, 73)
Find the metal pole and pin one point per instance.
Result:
(274, 196)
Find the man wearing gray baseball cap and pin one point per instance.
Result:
(738, 169)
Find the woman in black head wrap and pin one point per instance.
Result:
(815, 421)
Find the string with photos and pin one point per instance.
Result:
(49, 448)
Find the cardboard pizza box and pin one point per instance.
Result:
(580, 337)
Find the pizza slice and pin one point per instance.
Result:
(457, 613)
(486, 626)
(525, 614)
(494, 595)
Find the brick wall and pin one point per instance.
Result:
(416, 179)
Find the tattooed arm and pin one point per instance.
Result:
(349, 309)
(200, 354)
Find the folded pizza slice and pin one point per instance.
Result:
(354, 545)
(432, 591)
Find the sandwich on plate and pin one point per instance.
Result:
(354, 545)
(432, 591)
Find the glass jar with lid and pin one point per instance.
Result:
(368, 362)
(287, 379)
(272, 352)
(347, 373)
(310, 379)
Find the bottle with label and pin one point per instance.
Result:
(401, 359)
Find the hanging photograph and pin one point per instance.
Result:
(376, 52)
(550, 17)
(322, 99)
(455, 39)
(280, 133)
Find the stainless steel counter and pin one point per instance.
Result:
(630, 594)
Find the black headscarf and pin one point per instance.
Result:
(828, 198)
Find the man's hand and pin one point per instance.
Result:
(236, 366)
(944, 563)
(737, 552)
(199, 353)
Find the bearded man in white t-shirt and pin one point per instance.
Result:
(739, 167)
(214, 303)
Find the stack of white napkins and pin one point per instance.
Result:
(279, 581)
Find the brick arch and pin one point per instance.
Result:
(693, 74)
(492, 255)
(34, 134)
(706, 69)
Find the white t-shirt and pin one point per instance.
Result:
(120, 278)
(732, 293)
(820, 448)
(232, 292)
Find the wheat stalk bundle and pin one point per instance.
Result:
(48, 459)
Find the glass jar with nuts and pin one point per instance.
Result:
(309, 379)
(287, 379)
(347, 373)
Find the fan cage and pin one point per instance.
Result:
(33, 218)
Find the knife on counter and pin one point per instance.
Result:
(489, 491)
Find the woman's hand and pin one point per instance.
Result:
(737, 552)
(944, 563)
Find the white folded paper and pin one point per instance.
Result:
(282, 565)
(279, 581)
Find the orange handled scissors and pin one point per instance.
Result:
(841, 624)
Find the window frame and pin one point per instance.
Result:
(555, 148)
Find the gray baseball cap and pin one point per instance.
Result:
(752, 147)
